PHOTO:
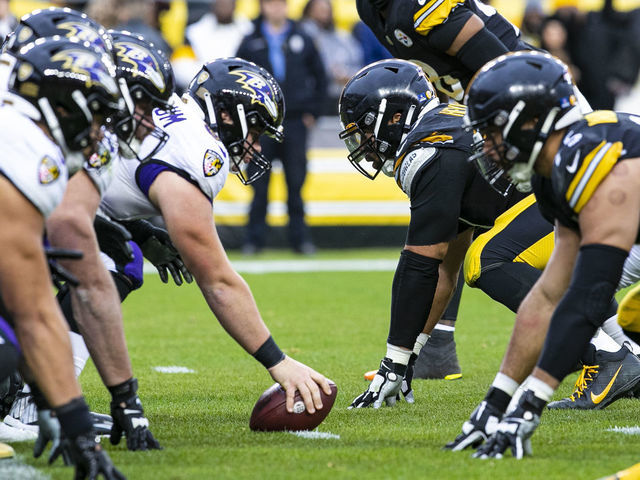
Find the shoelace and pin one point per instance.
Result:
(586, 377)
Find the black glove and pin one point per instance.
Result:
(515, 430)
(113, 240)
(481, 424)
(49, 431)
(90, 460)
(128, 417)
(384, 386)
(157, 247)
(60, 275)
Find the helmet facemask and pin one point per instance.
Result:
(373, 139)
(234, 129)
(512, 142)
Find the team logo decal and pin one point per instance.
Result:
(85, 63)
(402, 37)
(100, 158)
(142, 63)
(259, 89)
(84, 33)
(48, 171)
(212, 164)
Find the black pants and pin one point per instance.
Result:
(292, 152)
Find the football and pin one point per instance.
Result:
(270, 412)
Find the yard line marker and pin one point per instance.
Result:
(626, 430)
(173, 369)
(315, 435)
(303, 266)
(16, 470)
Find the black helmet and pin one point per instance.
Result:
(251, 98)
(64, 22)
(521, 97)
(150, 81)
(377, 108)
(64, 83)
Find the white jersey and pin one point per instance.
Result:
(192, 150)
(31, 161)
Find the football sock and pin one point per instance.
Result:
(614, 330)
(80, 352)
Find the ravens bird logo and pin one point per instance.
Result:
(260, 90)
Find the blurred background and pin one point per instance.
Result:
(598, 39)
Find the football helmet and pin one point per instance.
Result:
(515, 102)
(66, 84)
(238, 98)
(150, 82)
(377, 108)
(64, 22)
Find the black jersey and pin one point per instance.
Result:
(589, 150)
(423, 30)
(447, 192)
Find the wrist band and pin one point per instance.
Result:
(124, 390)
(74, 418)
(269, 354)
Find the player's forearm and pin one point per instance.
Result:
(444, 292)
(233, 305)
(96, 304)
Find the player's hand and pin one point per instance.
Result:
(49, 431)
(159, 250)
(128, 417)
(113, 239)
(482, 423)
(293, 375)
(405, 388)
(515, 430)
(90, 460)
(385, 386)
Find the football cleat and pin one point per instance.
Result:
(438, 358)
(370, 374)
(629, 310)
(631, 473)
(605, 378)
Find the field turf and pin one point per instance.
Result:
(337, 323)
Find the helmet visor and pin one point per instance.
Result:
(363, 151)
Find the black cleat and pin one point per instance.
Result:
(605, 378)
(438, 358)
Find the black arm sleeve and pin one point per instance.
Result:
(414, 286)
(479, 49)
(583, 308)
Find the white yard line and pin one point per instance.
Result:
(297, 266)
(626, 430)
(314, 435)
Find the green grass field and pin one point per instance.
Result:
(337, 323)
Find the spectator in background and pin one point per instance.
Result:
(372, 49)
(105, 12)
(141, 17)
(281, 46)
(341, 53)
(532, 21)
(217, 34)
(7, 20)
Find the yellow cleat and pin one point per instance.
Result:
(6, 451)
(629, 310)
(631, 473)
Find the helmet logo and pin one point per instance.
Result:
(141, 62)
(84, 33)
(259, 90)
(212, 163)
(403, 38)
(85, 64)
(48, 171)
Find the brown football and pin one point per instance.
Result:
(270, 412)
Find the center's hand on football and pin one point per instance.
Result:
(385, 386)
(293, 375)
